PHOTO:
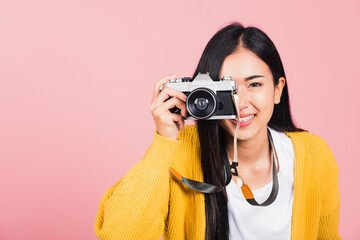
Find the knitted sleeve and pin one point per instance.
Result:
(136, 207)
(329, 218)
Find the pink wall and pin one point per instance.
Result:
(76, 81)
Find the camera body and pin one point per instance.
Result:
(206, 99)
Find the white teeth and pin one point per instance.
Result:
(246, 118)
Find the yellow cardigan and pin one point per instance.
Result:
(149, 202)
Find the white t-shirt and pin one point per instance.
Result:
(272, 222)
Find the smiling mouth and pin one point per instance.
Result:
(244, 119)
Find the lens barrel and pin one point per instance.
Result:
(201, 103)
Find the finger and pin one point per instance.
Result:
(166, 93)
(183, 111)
(179, 121)
(174, 102)
(161, 82)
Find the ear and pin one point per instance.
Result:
(278, 90)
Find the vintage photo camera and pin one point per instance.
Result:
(206, 99)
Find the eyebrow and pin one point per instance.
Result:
(252, 77)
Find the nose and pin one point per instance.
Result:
(243, 98)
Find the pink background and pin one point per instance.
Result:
(76, 81)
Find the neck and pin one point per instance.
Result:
(250, 151)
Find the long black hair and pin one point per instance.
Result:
(211, 135)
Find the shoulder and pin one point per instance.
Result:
(312, 147)
(308, 140)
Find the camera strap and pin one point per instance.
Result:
(209, 188)
(232, 170)
(206, 187)
(275, 182)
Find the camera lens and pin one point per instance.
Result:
(201, 103)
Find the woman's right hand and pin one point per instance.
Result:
(168, 124)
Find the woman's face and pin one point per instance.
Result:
(256, 91)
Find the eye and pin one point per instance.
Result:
(255, 84)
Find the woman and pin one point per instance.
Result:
(149, 202)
